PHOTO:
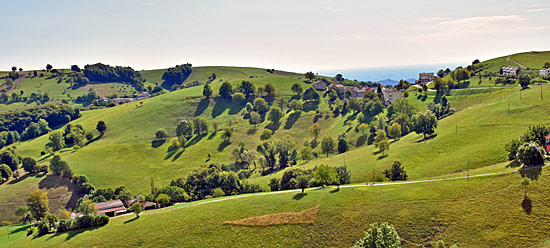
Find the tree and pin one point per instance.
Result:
(327, 145)
(38, 204)
(269, 90)
(75, 68)
(384, 146)
(297, 89)
(274, 184)
(184, 128)
(255, 119)
(324, 174)
(162, 200)
(226, 134)
(137, 208)
(382, 236)
(396, 172)
(343, 175)
(161, 134)
(311, 95)
(302, 183)
(424, 123)
(339, 77)
(275, 114)
(247, 88)
(530, 154)
(309, 75)
(395, 130)
(49, 67)
(101, 127)
(525, 182)
(57, 141)
(226, 90)
(524, 80)
(260, 105)
(29, 165)
(24, 214)
(314, 130)
(343, 145)
(238, 98)
(363, 129)
(200, 125)
(266, 134)
(306, 153)
(5, 173)
(87, 207)
(14, 68)
(207, 91)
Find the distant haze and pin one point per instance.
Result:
(286, 34)
(394, 73)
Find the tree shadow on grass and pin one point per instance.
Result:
(299, 196)
(527, 205)
(251, 131)
(335, 190)
(195, 139)
(157, 143)
(72, 234)
(131, 220)
(223, 145)
(212, 135)
(203, 104)
(532, 173)
(513, 164)
(21, 178)
(292, 118)
(273, 126)
(382, 157)
(429, 137)
(178, 155)
(220, 106)
(19, 229)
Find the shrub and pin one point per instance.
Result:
(218, 192)
(379, 236)
(396, 172)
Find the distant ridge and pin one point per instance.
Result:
(394, 82)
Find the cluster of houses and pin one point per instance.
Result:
(114, 208)
(138, 97)
(390, 94)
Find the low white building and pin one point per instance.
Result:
(391, 95)
(545, 72)
(509, 70)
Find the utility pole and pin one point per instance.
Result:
(508, 104)
(456, 125)
(541, 92)
(373, 176)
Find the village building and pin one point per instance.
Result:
(509, 70)
(320, 85)
(545, 72)
(110, 208)
(425, 77)
(547, 138)
(391, 95)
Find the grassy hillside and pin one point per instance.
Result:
(532, 60)
(480, 212)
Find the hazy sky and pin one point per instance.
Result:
(294, 35)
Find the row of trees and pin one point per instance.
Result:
(105, 73)
(319, 176)
(246, 88)
(53, 114)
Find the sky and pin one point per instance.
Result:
(294, 35)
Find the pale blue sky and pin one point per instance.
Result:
(294, 35)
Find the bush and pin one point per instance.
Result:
(379, 236)
(396, 172)
(87, 221)
(5, 173)
(218, 192)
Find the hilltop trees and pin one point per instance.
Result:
(176, 75)
(309, 75)
(105, 73)
(49, 67)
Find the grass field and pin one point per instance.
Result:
(480, 212)
(533, 60)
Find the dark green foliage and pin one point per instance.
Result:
(53, 114)
(175, 193)
(8, 158)
(396, 172)
(207, 91)
(343, 174)
(302, 182)
(105, 73)
(226, 90)
(524, 80)
(247, 88)
(5, 173)
(29, 165)
(530, 154)
(424, 123)
(275, 114)
(176, 75)
(60, 167)
(311, 95)
(75, 68)
(343, 145)
(274, 184)
(184, 128)
(101, 126)
(534, 134)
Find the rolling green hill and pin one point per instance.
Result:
(472, 138)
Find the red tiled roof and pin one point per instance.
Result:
(109, 206)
